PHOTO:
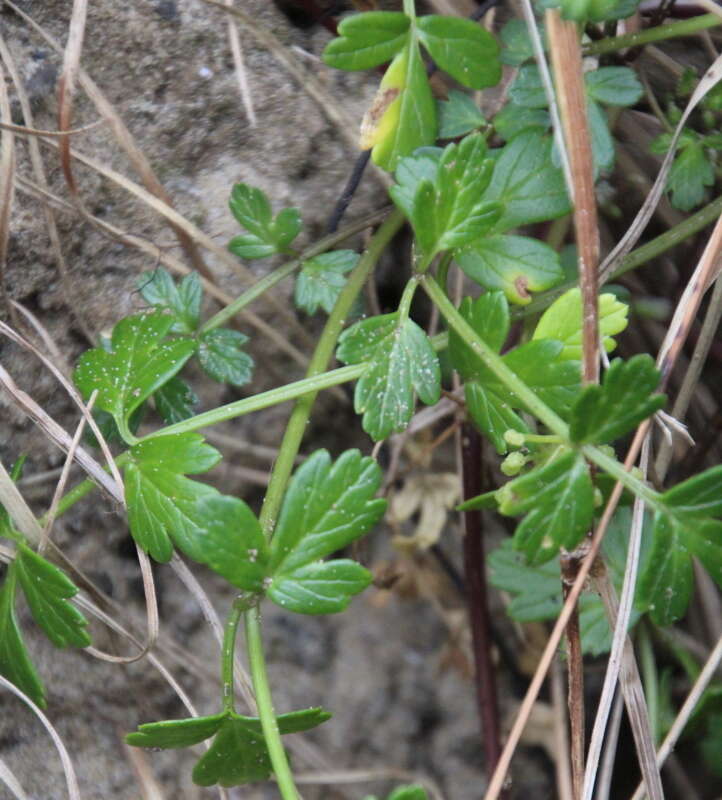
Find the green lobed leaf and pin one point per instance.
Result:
(266, 235)
(516, 44)
(239, 753)
(410, 792)
(326, 507)
(183, 300)
(602, 142)
(7, 526)
(367, 40)
(491, 414)
(449, 211)
(558, 500)
(513, 119)
(232, 543)
(699, 496)
(488, 315)
(47, 590)
(666, 583)
(403, 116)
(401, 364)
(410, 172)
(603, 413)
(526, 183)
(514, 264)
(462, 48)
(458, 115)
(536, 591)
(691, 172)
(527, 91)
(15, 663)
(175, 400)
(563, 321)
(321, 279)
(613, 86)
(139, 364)
(220, 352)
(174, 733)
(162, 502)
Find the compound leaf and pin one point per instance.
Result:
(15, 663)
(47, 590)
(488, 315)
(401, 363)
(140, 363)
(563, 321)
(327, 506)
(517, 47)
(513, 119)
(603, 413)
(232, 542)
(558, 500)
(184, 300)
(468, 52)
(367, 40)
(691, 172)
(175, 400)
(321, 279)
(162, 502)
(266, 235)
(458, 115)
(527, 91)
(514, 264)
(220, 352)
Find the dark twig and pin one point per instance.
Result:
(477, 596)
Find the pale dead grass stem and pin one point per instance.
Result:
(7, 189)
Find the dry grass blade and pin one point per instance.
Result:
(609, 759)
(125, 140)
(149, 787)
(13, 502)
(40, 177)
(681, 720)
(237, 53)
(23, 130)
(8, 778)
(195, 233)
(561, 734)
(305, 79)
(63, 480)
(621, 626)
(71, 780)
(612, 261)
(68, 79)
(7, 186)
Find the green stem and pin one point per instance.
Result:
(279, 479)
(442, 272)
(279, 274)
(616, 469)
(266, 712)
(650, 680)
(319, 362)
(406, 298)
(240, 604)
(685, 27)
(291, 391)
(531, 402)
(410, 9)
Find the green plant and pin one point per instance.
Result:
(462, 202)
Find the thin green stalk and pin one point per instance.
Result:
(616, 469)
(291, 391)
(319, 362)
(406, 298)
(494, 362)
(279, 480)
(686, 27)
(240, 605)
(266, 712)
(650, 680)
(410, 9)
(263, 285)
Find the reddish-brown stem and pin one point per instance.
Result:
(477, 598)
